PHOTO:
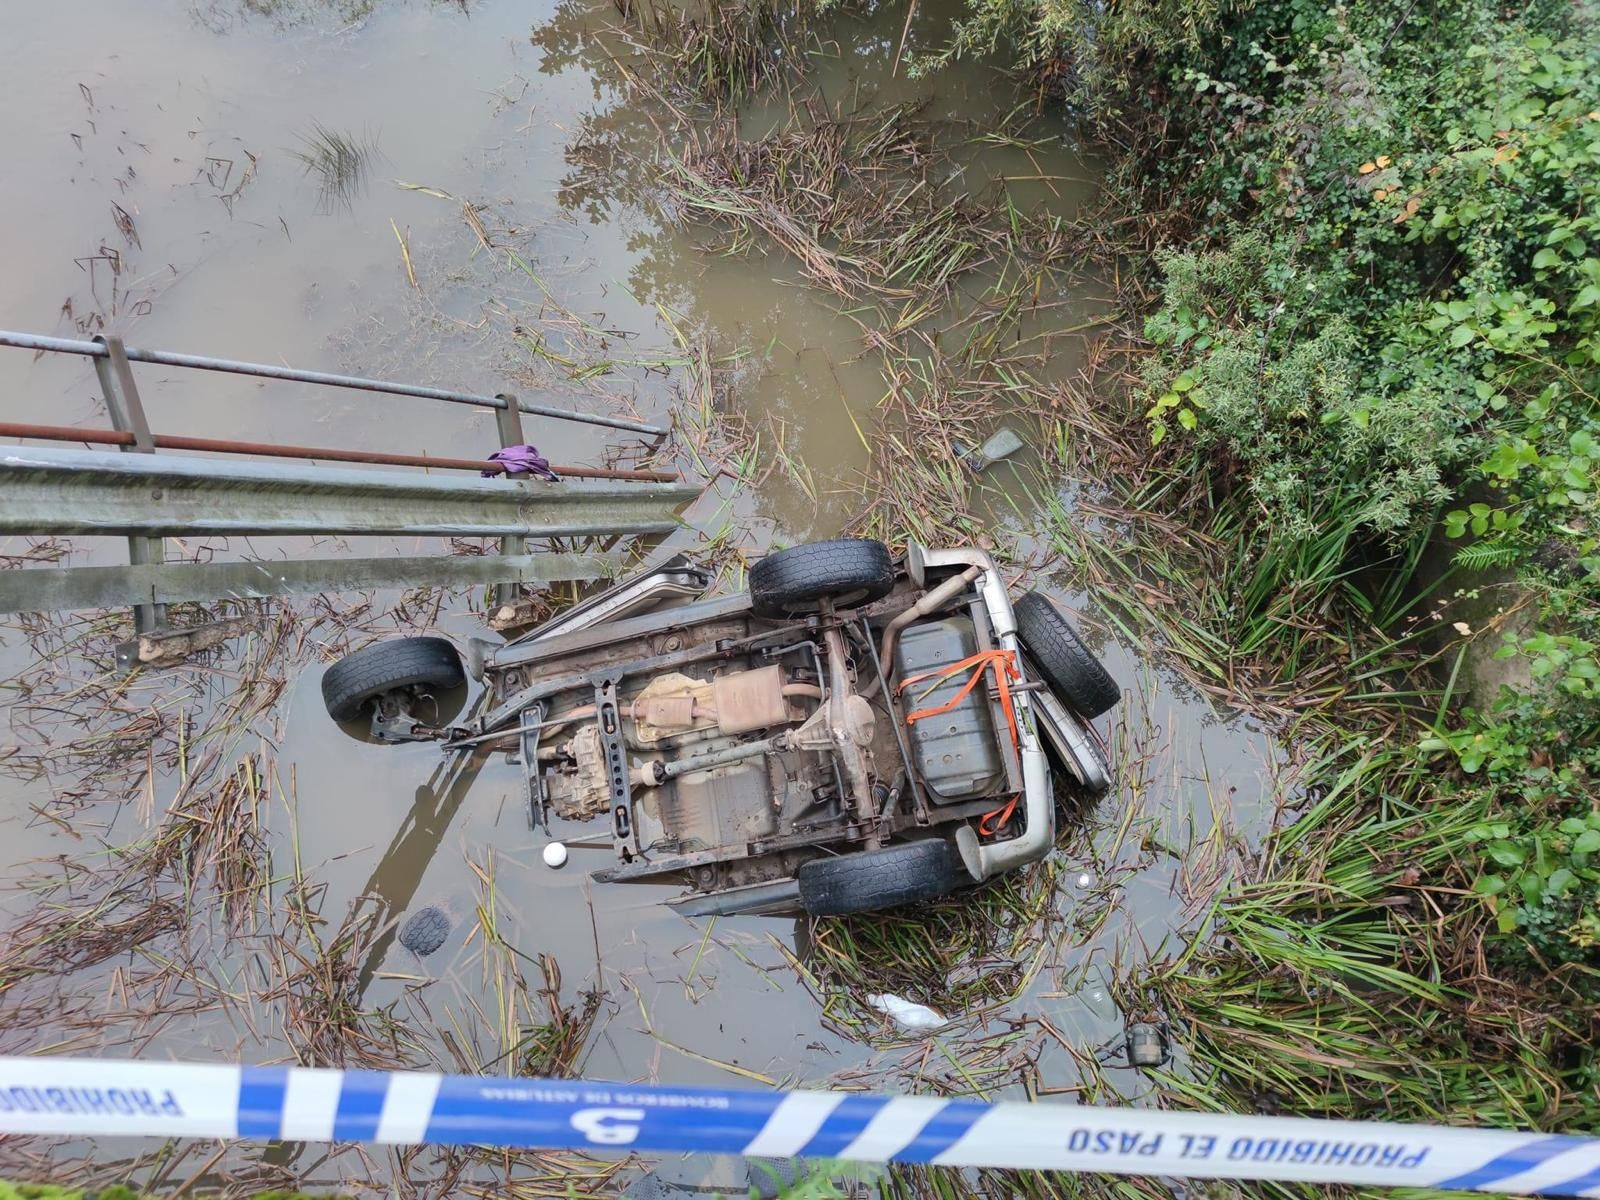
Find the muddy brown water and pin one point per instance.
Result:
(152, 187)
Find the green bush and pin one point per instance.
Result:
(1533, 764)
(1401, 300)
(1380, 324)
(1389, 330)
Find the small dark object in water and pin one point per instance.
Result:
(426, 931)
(1147, 1044)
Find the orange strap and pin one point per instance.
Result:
(1004, 665)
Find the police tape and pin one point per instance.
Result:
(97, 1098)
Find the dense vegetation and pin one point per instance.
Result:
(1375, 327)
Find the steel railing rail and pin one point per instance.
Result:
(70, 492)
(163, 441)
(202, 362)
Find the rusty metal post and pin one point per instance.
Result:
(508, 421)
(127, 416)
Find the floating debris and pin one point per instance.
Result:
(1147, 1044)
(1003, 444)
(906, 1013)
(425, 931)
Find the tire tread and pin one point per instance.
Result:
(869, 880)
(791, 579)
(1067, 664)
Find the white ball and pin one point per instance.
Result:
(555, 855)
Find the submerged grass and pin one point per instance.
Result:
(339, 162)
(719, 51)
(186, 918)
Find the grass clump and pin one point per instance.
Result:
(338, 162)
(716, 50)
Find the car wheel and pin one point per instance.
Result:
(360, 678)
(1068, 666)
(846, 571)
(876, 879)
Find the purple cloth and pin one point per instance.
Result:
(522, 460)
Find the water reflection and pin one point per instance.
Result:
(393, 884)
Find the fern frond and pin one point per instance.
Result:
(1482, 555)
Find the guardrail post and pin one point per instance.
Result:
(127, 416)
(508, 421)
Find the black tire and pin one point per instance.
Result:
(845, 570)
(875, 879)
(355, 680)
(425, 931)
(1068, 666)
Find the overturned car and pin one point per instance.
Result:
(853, 733)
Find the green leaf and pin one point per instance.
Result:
(1461, 335)
(1573, 825)
(1560, 880)
(1532, 888)
(1546, 258)
(1187, 419)
(1490, 885)
(1587, 843)
(1507, 854)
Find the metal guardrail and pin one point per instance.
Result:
(163, 441)
(51, 491)
(201, 362)
(169, 583)
(55, 491)
(146, 498)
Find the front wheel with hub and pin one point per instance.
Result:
(398, 665)
(845, 571)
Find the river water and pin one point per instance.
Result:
(157, 185)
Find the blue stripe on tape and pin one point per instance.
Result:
(1513, 1163)
(361, 1096)
(525, 1112)
(842, 1126)
(261, 1092)
(946, 1128)
(1574, 1187)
